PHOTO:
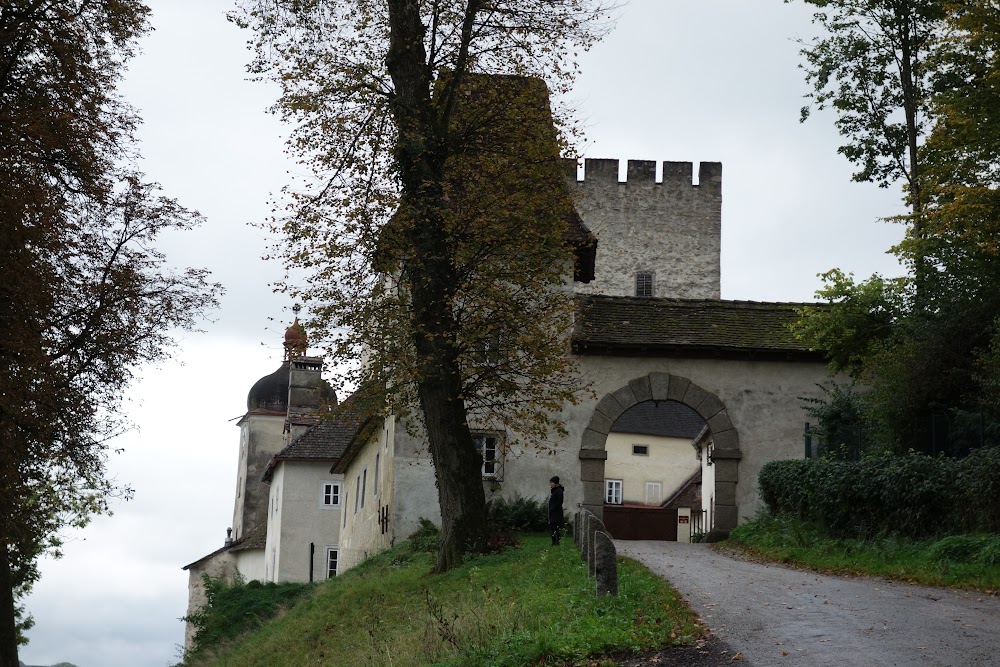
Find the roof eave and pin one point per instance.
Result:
(272, 466)
(610, 349)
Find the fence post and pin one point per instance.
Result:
(809, 442)
(606, 571)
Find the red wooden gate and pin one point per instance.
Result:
(632, 522)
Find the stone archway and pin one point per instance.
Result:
(664, 387)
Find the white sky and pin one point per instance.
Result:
(712, 80)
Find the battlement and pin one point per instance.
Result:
(643, 172)
(669, 227)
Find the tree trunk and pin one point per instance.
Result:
(457, 464)
(428, 270)
(8, 622)
(458, 470)
(909, 59)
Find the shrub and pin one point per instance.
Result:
(957, 548)
(914, 495)
(235, 609)
(426, 537)
(989, 553)
(525, 515)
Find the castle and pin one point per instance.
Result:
(321, 484)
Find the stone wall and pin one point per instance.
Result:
(757, 416)
(672, 228)
(261, 437)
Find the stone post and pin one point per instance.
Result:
(606, 559)
(594, 526)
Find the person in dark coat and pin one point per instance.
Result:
(555, 509)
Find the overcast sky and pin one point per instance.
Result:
(713, 80)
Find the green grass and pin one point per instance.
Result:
(529, 606)
(962, 561)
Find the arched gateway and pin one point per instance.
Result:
(663, 387)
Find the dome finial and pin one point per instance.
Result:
(296, 343)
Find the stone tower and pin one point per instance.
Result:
(670, 229)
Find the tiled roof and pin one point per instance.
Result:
(205, 557)
(687, 495)
(668, 419)
(688, 327)
(255, 539)
(329, 439)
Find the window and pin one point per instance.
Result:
(487, 446)
(364, 486)
(357, 492)
(375, 481)
(487, 350)
(644, 283)
(654, 493)
(345, 513)
(329, 494)
(613, 491)
(640, 450)
(331, 562)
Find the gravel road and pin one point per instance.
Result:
(776, 615)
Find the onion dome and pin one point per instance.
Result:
(296, 343)
(270, 393)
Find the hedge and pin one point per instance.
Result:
(913, 495)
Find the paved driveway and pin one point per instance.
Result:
(775, 615)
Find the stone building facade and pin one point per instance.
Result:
(649, 327)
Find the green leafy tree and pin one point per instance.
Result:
(84, 296)
(870, 68)
(435, 229)
(964, 184)
(936, 354)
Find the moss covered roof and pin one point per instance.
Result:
(688, 328)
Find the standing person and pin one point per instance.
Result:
(555, 509)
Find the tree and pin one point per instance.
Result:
(84, 295)
(929, 343)
(964, 184)
(871, 69)
(433, 232)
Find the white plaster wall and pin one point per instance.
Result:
(671, 462)
(250, 563)
(363, 535)
(272, 549)
(526, 473)
(761, 398)
(415, 489)
(302, 520)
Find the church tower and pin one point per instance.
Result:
(280, 407)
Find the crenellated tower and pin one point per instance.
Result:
(654, 238)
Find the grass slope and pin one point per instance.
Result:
(962, 561)
(529, 606)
